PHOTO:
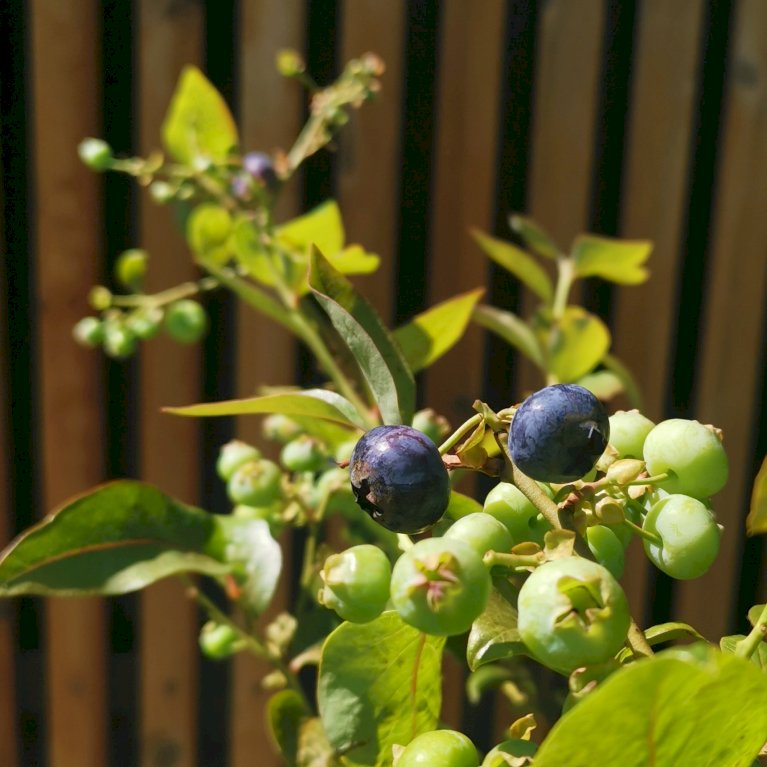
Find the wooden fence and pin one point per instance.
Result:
(643, 119)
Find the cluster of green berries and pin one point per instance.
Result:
(119, 332)
(618, 476)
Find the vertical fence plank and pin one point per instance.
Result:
(569, 47)
(65, 108)
(731, 348)
(464, 185)
(8, 729)
(369, 146)
(271, 112)
(170, 37)
(653, 207)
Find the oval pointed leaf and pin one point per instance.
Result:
(603, 384)
(756, 521)
(114, 539)
(359, 326)
(354, 259)
(285, 712)
(312, 403)
(198, 121)
(207, 231)
(729, 645)
(251, 254)
(432, 333)
(379, 684)
(666, 711)
(620, 261)
(494, 635)
(511, 329)
(534, 236)
(576, 344)
(322, 226)
(518, 262)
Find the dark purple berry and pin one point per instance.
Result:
(559, 433)
(399, 479)
(261, 167)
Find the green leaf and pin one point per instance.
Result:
(248, 545)
(322, 227)
(620, 261)
(298, 735)
(461, 505)
(494, 635)
(379, 684)
(250, 253)
(380, 360)
(354, 259)
(284, 713)
(603, 384)
(756, 521)
(534, 236)
(666, 711)
(663, 632)
(311, 403)
(576, 344)
(114, 539)
(207, 230)
(432, 333)
(198, 121)
(729, 645)
(511, 329)
(519, 263)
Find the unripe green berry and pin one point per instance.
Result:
(218, 641)
(96, 154)
(255, 483)
(131, 267)
(161, 192)
(186, 321)
(482, 532)
(233, 455)
(119, 341)
(304, 453)
(434, 426)
(280, 428)
(89, 331)
(100, 298)
(145, 323)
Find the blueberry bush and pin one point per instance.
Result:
(399, 567)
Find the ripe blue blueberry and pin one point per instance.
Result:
(559, 433)
(399, 479)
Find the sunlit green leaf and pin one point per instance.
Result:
(198, 122)
(432, 333)
(311, 403)
(251, 254)
(114, 539)
(663, 632)
(756, 521)
(322, 226)
(755, 613)
(534, 236)
(668, 710)
(511, 329)
(208, 229)
(518, 262)
(576, 344)
(620, 261)
(380, 359)
(494, 635)
(354, 259)
(379, 684)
